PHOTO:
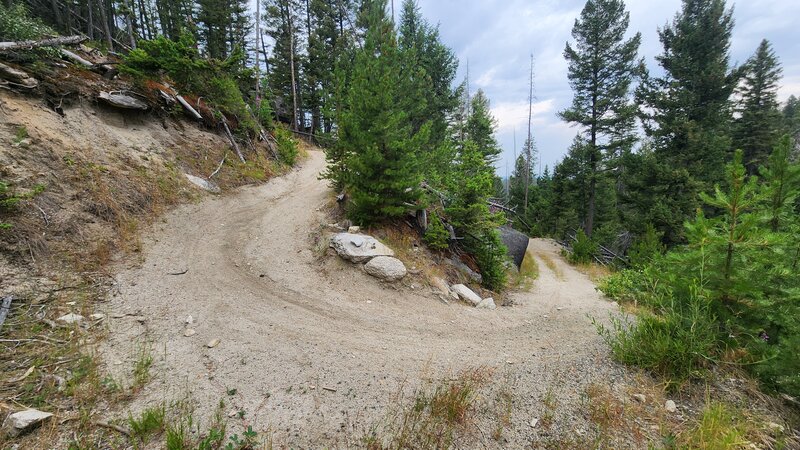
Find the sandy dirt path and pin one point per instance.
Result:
(294, 326)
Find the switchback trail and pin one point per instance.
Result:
(313, 350)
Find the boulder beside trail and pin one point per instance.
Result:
(467, 294)
(487, 303)
(386, 268)
(24, 421)
(358, 248)
(516, 244)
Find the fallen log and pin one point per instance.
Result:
(51, 42)
(102, 68)
(124, 101)
(193, 112)
(77, 59)
(17, 77)
(233, 141)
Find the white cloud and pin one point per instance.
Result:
(514, 115)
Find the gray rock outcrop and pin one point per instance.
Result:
(24, 421)
(358, 248)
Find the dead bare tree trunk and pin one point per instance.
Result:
(129, 20)
(57, 14)
(90, 19)
(106, 29)
(529, 142)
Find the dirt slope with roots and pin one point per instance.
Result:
(317, 351)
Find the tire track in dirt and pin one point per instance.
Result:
(289, 320)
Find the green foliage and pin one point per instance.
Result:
(733, 285)
(16, 24)
(583, 249)
(149, 423)
(646, 248)
(287, 146)
(602, 67)
(720, 428)
(758, 127)
(378, 143)
(491, 256)
(687, 115)
(217, 81)
(436, 236)
(676, 343)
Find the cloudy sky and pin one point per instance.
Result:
(498, 36)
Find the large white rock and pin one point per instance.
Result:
(466, 294)
(358, 248)
(386, 268)
(487, 303)
(24, 421)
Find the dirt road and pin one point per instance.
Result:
(315, 349)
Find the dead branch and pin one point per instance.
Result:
(219, 167)
(230, 138)
(122, 100)
(51, 42)
(193, 112)
(111, 426)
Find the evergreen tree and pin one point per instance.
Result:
(433, 67)
(480, 128)
(688, 111)
(380, 146)
(791, 118)
(602, 67)
(283, 25)
(215, 20)
(781, 185)
(759, 125)
(326, 43)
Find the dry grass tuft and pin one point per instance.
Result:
(434, 415)
(551, 264)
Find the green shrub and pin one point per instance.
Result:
(646, 248)
(218, 82)
(676, 343)
(17, 25)
(491, 256)
(583, 249)
(436, 236)
(287, 146)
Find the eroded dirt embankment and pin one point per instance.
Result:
(315, 351)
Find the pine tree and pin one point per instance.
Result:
(326, 43)
(781, 185)
(602, 67)
(214, 17)
(480, 128)
(283, 25)
(688, 111)
(433, 67)
(759, 126)
(382, 175)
